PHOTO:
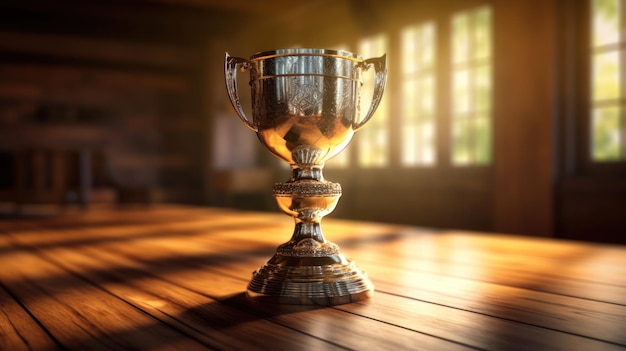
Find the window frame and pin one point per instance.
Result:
(577, 128)
(471, 65)
(443, 164)
(418, 118)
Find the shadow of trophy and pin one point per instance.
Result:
(305, 110)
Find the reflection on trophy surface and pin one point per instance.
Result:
(305, 110)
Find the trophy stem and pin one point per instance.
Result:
(308, 269)
(307, 230)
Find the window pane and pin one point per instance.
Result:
(409, 101)
(482, 34)
(607, 96)
(418, 95)
(460, 88)
(482, 88)
(606, 134)
(471, 87)
(460, 37)
(427, 94)
(426, 40)
(482, 132)
(373, 138)
(409, 50)
(418, 127)
(606, 73)
(426, 133)
(410, 145)
(605, 22)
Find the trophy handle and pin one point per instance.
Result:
(380, 67)
(230, 72)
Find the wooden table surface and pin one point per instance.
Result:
(172, 277)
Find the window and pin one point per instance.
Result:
(471, 87)
(373, 139)
(457, 63)
(418, 95)
(608, 91)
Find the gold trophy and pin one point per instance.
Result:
(305, 110)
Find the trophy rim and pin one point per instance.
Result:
(263, 55)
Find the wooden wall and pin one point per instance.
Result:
(524, 116)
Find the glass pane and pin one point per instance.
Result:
(606, 73)
(409, 122)
(472, 87)
(482, 139)
(460, 38)
(427, 45)
(418, 51)
(482, 88)
(460, 141)
(418, 146)
(427, 136)
(482, 34)
(409, 145)
(409, 101)
(605, 22)
(426, 95)
(409, 49)
(461, 93)
(418, 94)
(606, 134)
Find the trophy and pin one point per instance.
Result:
(305, 110)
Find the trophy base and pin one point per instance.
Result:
(322, 281)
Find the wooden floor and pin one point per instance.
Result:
(174, 278)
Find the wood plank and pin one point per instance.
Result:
(216, 322)
(282, 327)
(522, 270)
(173, 247)
(80, 315)
(591, 276)
(455, 289)
(592, 319)
(595, 317)
(507, 268)
(18, 330)
(528, 272)
(516, 335)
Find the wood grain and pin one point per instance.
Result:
(174, 277)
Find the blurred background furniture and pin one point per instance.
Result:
(56, 178)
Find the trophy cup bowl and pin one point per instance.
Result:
(305, 110)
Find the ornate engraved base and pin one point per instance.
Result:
(325, 281)
(308, 269)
